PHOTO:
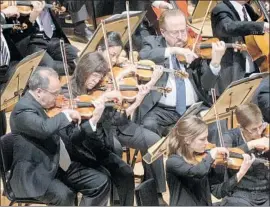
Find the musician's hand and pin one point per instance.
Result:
(11, 11)
(162, 5)
(217, 151)
(218, 50)
(143, 91)
(112, 95)
(262, 143)
(38, 6)
(74, 115)
(158, 72)
(99, 108)
(266, 27)
(165, 5)
(186, 52)
(247, 162)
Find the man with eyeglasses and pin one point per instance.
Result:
(42, 167)
(253, 189)
(158, 112)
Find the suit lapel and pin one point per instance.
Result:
(228, 3)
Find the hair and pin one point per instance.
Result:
(40, 78)
(247, 114)
(189, 128)
(114, 39)
(169, 13)
(90, 63)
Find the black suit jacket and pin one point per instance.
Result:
(228, 27)
(36, 146)
(199, 71)
(22, 38)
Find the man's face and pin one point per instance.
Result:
(175, 31)
(47, 97)
(254, 130)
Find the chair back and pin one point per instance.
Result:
(146, 193)
(6, 157)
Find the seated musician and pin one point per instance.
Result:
(41, 167)
(254, 188)
(5, 58)
(231, 22)
(97, 149)
(124, 131)
(158, 112)
(44, 32)
(188, 172)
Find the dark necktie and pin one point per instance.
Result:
(180, 88)
(245, 13)
(5, 56)
(46, 21)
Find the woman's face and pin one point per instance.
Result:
(92, 80)
(114, 52)
(199, 144)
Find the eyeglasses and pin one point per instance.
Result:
(176, 33)
(56, 93)
(257, 129)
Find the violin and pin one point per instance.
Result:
(234, 161)
(25, 7)
(22, 26)
(83, 104)
(145, 69)
(204, 49)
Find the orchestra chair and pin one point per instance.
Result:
(6, 156)
(146, 193)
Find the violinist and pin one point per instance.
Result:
(44, 32)
(253, 189)
(113, 124)
(231, 22)
(158, 112)
(45, 171)
(188, 177)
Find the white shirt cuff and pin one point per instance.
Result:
(156, 4)
(94, 127)
(167, 52)
(215, 70)
(67, 115)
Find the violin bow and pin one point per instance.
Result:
(200, 32)
(221, 139)
(129, 34)
(115, 85)
(64, 57)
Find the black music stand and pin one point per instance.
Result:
(13, 89)
(237, 93)
(116, 23)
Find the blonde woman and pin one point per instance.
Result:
(188, 178)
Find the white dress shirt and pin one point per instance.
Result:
(239, 8)
(170, 98)
(38, 20)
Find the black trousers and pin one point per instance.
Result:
(53, 57)
(142, 139)
(160, 119)
(92, 183)
(3, 123)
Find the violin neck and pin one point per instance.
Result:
(208, 45)
(8, 26)
(28, 3)
(146, 67)
(90, 104)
